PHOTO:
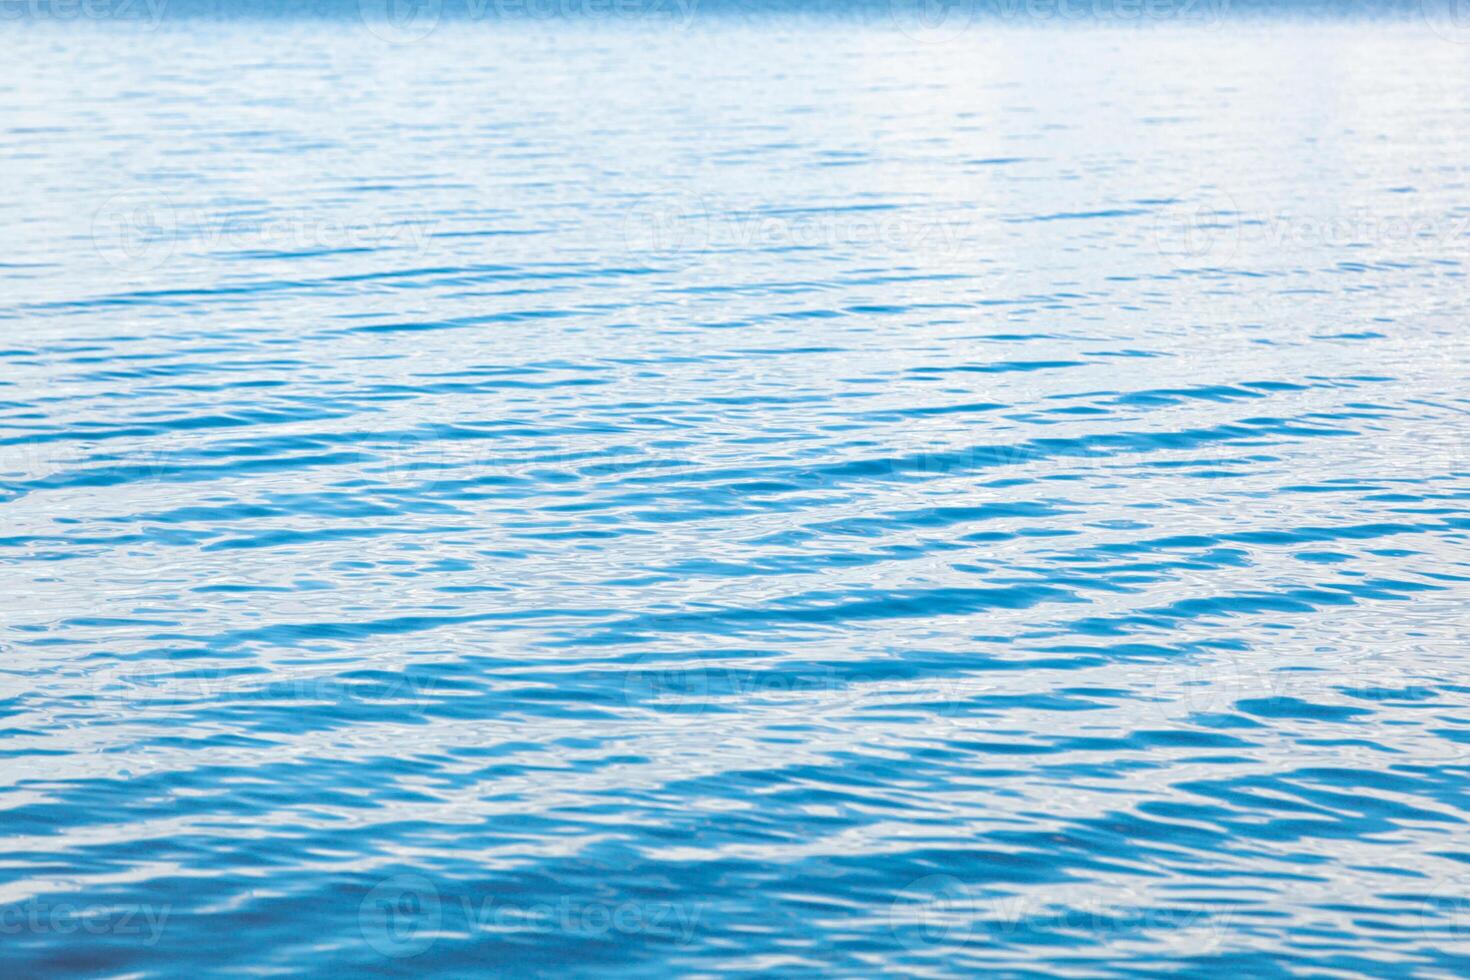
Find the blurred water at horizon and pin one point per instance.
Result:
(412, 21)
(810, 496)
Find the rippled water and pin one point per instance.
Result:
(754, 494)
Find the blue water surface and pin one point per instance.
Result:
(733, 492)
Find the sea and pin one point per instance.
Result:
(642, 488)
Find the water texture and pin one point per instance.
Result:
(790, 495)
